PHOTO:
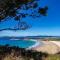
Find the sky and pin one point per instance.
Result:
(44, 25)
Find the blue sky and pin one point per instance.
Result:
(45, 25)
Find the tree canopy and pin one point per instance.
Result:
(9, 8)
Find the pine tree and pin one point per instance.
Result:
(9, 8)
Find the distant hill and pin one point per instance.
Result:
(32, 37)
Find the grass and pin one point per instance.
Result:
(52, 39)
(54, 57)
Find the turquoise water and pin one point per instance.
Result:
(19, 43)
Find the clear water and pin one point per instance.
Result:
(19, 43)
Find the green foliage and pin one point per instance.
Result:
(54, 57)
(9, 8)
(54, 39)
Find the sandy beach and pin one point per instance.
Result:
(50, 47)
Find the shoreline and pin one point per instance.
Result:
(48, 47)
(36, 44)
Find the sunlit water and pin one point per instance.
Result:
(19, 43)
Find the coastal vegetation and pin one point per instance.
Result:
(15, 53)
(54, 39)
(54, 57)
